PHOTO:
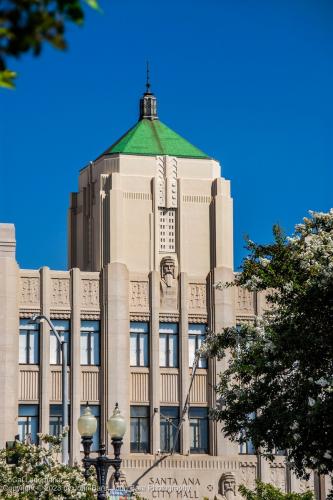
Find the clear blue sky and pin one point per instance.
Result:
(249, 82)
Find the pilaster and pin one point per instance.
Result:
(44, 369)
(184, 362)
(9, 338)
(154, 366)
(75, 369)
(115, 299)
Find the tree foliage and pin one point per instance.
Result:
(278, 386)
(269, 492)
(25, 25)
(37, 473)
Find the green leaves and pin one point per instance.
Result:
(281, 368)
(269, 492)
(26, 25)
(7, 78)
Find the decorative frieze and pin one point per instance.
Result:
(29, 291)
(90, 316)
(169, 317)
(139, 317)
(197, 318)
(197, 296)
(138, 295)
(248, 474)
(278, 475)
(90, 294)
(244, 301)
(59, 292)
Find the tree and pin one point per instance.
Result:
(277, 389)
(25, 25)
(268, 492)
(36, 473)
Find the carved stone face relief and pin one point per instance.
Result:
(168, 270)
(227, 486)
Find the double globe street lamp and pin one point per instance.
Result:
(116, 426)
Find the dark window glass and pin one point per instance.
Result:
(198, 430)
(55, 421)
(196, 335)
(90, 343)
(139, 340)
(29, 342)
(247, 447)
(169, 345)
(169, 421)
(28, 423)
(140, 429)
(62, 326)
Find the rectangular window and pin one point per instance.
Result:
(196, 335)
(247, 447)
(198, 430)
(90, 343)
(28, 423)
(63, 329)
(169, 421)
(29, 343)
(169, 345)
(139, 339)
(140, 429)
(167, 229)
(96, 411)
(55, 421)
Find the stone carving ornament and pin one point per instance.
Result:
(29, 291)
(90, 293)
(168, 270)
(138, 295)
(60, 292)
(197, 296)
(227, 486)
(168, 283)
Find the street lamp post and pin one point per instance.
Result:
(116, 426)
(36, 318)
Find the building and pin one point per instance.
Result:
(150, 232)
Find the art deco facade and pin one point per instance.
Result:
(150, 232)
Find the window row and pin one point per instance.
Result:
(90, 343)
(28, 422)
(169, 344)
(169, 434)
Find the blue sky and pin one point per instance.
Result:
(250, 83)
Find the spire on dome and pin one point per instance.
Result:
(148, 102)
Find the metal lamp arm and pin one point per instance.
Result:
(41, 316)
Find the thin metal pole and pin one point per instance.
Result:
(63, 347)
(64, 401)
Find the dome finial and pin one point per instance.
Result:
(148, 79)
(148, 102)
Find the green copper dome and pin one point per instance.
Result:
(151, 137)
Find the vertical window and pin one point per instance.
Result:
(196, 335)
(29, 343)
(62, 327)
(28, 423)
(169, 421)
(247, 446)
(198, 430)
(90, 343)
(96, 411)
(139, 335)
(169, 345)
(167, 229)
(55, 420)
(140, 429)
